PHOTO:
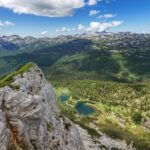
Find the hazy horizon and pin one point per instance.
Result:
(55, 36)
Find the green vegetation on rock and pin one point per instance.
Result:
(6, 80)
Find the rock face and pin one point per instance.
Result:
(103, 142)
(30, 118)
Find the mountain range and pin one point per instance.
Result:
(122, 57)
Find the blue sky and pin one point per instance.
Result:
(56, 17)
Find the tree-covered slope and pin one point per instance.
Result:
(122, 110)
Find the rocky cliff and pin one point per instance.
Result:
(30, 118)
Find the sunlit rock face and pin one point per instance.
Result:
(30, 118)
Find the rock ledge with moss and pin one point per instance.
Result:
(29, 115)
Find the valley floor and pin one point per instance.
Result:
(122, 110)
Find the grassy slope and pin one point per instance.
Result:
(95, 66)
(6, 80)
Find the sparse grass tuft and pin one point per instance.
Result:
(49, 126)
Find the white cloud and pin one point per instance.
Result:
(1, 24)
(94, 12)
(116, 23)
(81, 27)
(106, 16)
(57, 30)
(100, 27)
(93, 27)
(93, 2)
(44, 33)
(64, 29)
(6, 24)
(49, 8)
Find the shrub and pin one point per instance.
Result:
(137, 117)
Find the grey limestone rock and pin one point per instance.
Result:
(30, 118)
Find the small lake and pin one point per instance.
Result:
(84, 109)
(63, 98)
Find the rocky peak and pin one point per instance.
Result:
(30, 118)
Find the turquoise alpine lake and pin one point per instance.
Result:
(84, 109)
(63, 98)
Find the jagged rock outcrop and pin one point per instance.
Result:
(30, 118)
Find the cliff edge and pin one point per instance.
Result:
(29, 115)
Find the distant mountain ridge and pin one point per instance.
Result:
(16, 42)
(123, 56)
(20, 43)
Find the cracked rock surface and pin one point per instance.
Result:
(30, 118)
